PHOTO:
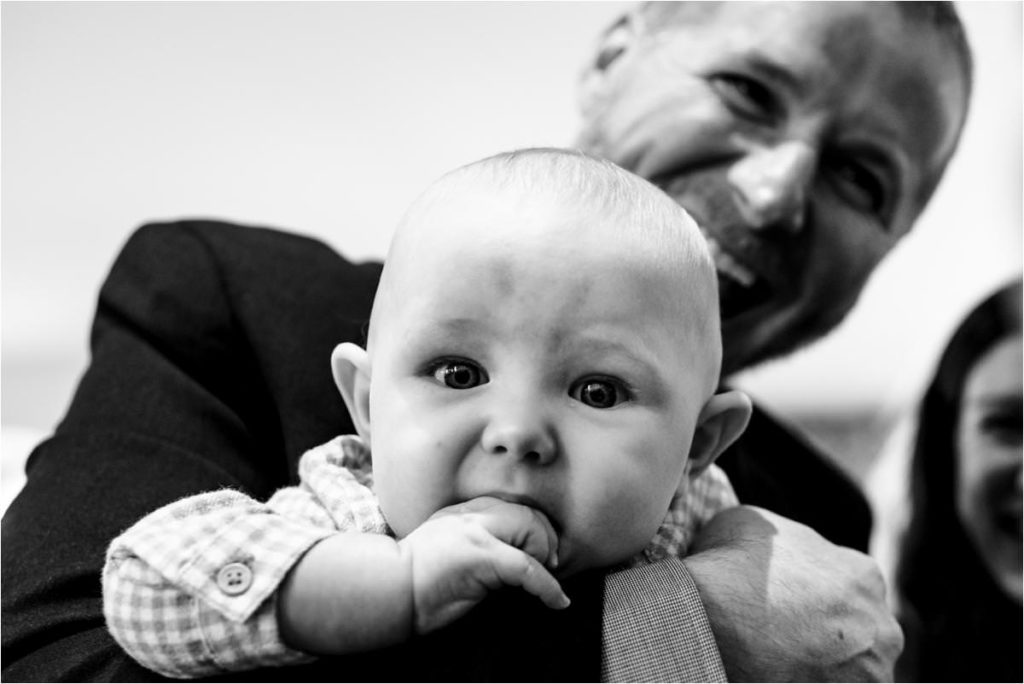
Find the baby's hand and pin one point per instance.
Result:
(464, 551)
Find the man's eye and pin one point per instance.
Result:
(599, 393)
(747, 97)
(459, 375)
(858, 186)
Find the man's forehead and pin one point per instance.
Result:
(824, 48)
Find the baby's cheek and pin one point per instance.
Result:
(653, 492)
(394, 483)
(412, 484)
(393, 504)
(639, 506)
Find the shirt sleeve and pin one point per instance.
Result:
(190, 590)
(654, 628)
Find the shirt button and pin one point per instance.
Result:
(234, 579)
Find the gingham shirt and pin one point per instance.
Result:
(190, 590)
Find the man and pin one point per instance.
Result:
(804, 157)
(804, 138)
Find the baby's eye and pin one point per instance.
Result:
(599, 393)
(459, 375)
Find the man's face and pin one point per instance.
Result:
(989, 464)
(804, 138)
(525, 370)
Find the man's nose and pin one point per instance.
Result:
(520, 430)
(771, 184)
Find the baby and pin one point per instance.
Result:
(538, 393)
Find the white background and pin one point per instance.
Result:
(328, 118)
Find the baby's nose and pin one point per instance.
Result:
(522, 434)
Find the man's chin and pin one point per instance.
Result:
(740, 345)
(736, 299)
(754, 336)
(768, 332)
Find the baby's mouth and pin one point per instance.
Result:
(529, 502)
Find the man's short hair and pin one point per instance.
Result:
(937, 15)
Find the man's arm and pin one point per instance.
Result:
(160, 413)
(787, 605)
(210, 369)
(783, 603)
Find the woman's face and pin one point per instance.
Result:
(988, 496)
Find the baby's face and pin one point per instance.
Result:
(551, 372)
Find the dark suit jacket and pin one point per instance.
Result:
(210, 368)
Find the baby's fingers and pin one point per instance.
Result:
(515, 524)
(516, 568)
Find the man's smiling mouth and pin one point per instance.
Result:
(741, 286)
(740, 289)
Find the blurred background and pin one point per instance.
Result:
(328, 118)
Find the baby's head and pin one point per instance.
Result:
(545, 332)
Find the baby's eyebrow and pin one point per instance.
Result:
(446, 331)
(459, 325)
(634, 355)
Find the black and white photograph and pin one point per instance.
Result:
(511, 341)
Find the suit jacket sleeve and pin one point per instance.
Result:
(210, 369)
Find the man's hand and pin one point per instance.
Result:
(465, 551)
(787, 605)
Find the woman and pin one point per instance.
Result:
(959, 577)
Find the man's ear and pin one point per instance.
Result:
(722, 420)
(614, 43)
(350, 365)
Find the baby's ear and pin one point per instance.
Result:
(351, 367)
(722, 420)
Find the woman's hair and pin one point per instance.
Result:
(959, 625)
